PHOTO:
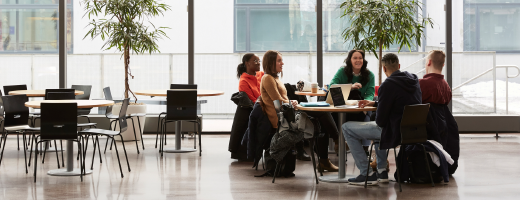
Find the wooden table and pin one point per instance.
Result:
(320, 93)
(70, 171)
(36, 93)
(178, 124)
(162, 93)
(341, 177)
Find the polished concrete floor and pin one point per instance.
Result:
(488, 169)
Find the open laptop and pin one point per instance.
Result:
(339, 96)
(344, 87)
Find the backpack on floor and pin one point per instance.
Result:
(288, 164)
(419, 170)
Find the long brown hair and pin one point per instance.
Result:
(269, 62)
(364, 71)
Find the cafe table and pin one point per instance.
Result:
(36, 93)
(320, 93)
(70, 171)
(163, 93)
(341, 177)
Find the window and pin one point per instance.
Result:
(492, 25)
(31, 26)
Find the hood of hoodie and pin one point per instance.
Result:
(409, 82)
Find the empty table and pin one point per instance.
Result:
(36, 93)
(341, 177)
(70, 171)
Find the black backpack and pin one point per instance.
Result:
(288, 164)
(418, 169)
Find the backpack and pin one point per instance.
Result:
(288, 164)
(418, 169)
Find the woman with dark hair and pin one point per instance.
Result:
(250, 75)
(355, 72)
(272, 89)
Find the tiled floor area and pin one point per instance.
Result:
(488, 169)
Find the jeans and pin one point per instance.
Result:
(355, 133)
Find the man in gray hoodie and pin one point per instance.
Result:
(398, 90)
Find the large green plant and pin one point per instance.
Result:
(124, 25)
(377, 24)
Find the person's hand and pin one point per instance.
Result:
(294, 103)
(356, 86)
(364, 103)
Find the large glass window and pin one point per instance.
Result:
(492, 25)
(31, 26)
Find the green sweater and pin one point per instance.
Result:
(367, 90)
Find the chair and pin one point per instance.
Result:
(15, 120)
(413, 131)
(181, 109)
(115, 118)
(60, 125)
(9, 88)
(83, 112)
(172, 87)
(111, 134)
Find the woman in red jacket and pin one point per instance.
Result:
(250, 76)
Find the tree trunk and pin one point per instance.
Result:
(127, 63)
(380, 60)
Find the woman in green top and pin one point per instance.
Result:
(356, 73)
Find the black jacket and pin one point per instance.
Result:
(443, 128)
(397, 91)
(257, 133)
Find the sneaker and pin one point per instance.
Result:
(360, 180)
(383, 177)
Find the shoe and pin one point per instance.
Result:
(325, 164)
(360, 180)
(382, 177)
(373, 164)
(303, 156)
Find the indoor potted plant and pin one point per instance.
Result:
(124, 25)
(376, 24)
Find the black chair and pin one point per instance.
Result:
(159, 120)
(60, 96)
(181, 109)
(15, 120)
(60, 125)
(9, 88)
(413, 132)
(111, 134)
(114, 119)
(83, 112)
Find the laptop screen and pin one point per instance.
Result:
(337, 96)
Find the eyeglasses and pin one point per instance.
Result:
(257, 61)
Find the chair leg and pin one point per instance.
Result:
(25, 153)
(44, 151)
(99, 149)
(428, 165)
(36, 160)
(135, 136)
(157, 132)
(31, 150)
(113, 137)
(57, 157)
(200, 138)
(140, 132)
(317, 149)
(62, 160)
(164, 125)
(94, 152)
(3, 147)
(313, 159)
(118, 160)
(124, 149)
(368, 165)
(18, 140)
(397, 166)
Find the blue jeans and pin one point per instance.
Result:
(355, 133)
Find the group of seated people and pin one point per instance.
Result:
(399, 89)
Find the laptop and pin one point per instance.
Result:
(337, 94)
(344, 87)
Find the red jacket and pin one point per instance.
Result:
(251, 85)
(435, 89)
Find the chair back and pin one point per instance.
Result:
(16, 114)
(86, 91)
(60, 96)
(57, 90)
(1, 106)
(413, 124)
(108, 96)
(181, 104)
(60, 125)
(122, 115)
(183, 86)
(9, 88)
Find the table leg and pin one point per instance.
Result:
(341, 177)
(178, 148)
(69, 171)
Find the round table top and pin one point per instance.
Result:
(333, 109)
(320, 93)
(36, 93)
(81, 103)
(200, 93)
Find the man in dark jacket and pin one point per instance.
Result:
(397, 91)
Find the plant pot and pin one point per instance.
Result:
(129, 133)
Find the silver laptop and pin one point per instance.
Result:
(338, 96)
